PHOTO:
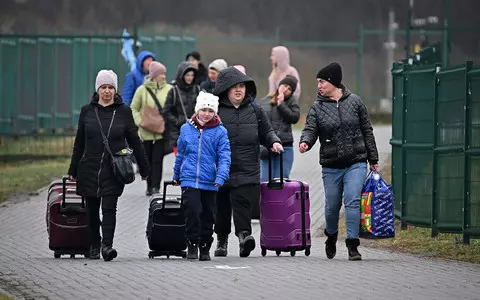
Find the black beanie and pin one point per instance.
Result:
(291, 81)
(193, 54)
(331, 73)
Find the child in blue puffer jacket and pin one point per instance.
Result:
(202, 166)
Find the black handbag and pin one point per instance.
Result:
(122, 163)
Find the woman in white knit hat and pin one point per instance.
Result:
(147, 105)
(91, 163)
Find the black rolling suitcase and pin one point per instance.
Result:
(166, 225)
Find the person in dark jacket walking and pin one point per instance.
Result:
(282, 110)
(202, 73)
(213, 69)
(91, 165)
(247, 127)
(181, 99)
(340, 121)
(201, 167)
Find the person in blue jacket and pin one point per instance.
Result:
(135, 78)
(202, 166)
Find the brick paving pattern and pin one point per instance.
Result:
(29, 271)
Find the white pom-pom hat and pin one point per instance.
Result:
(206, 100)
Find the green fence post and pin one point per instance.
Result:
(407, 31)
(467, 169)
(445, 43)
(403, 203)
(446, 36)
(37, 94)
(55, 85)
(73, 80)
(434, 167)
(135, 39)
(15, 109)
(361, 38)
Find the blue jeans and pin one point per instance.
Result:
(287, 165)
(349, 183)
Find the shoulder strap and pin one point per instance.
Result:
(258, 113)
(181, 102)
(105, 139)
(154, 98)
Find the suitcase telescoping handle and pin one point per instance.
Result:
(164, 197)
(64, 192)
(273, 184)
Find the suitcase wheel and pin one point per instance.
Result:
(264, 251)
(72, 255)
(307, 251)
(184, 254)
(150, 255)
(278, 252)
(292, 253)
(57, 254)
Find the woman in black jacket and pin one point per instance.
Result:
(181, 100)
(282, 110)
(247, 127)
(340, 121)
(91, 164)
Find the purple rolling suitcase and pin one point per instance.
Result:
(284, 214)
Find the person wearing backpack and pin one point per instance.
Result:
(181, 100)
(147, 106)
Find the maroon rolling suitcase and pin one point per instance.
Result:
(66, 218)
(284, 215)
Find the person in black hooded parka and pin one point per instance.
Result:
(248, 127)
(91, 164)
(184, 90)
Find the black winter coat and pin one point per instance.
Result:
(344, 130)
(207, 86)
(281, 117)
(173, 112)
(91, 163)
(247, 127)
(202, 74)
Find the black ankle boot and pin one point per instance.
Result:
(94, 253)
(148, 192)
(222, 245)
(246, 243)
(192, 251)
(331, 245)
(205, 250)
(108, 253)
(352, 245)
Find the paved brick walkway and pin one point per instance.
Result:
(29, 271)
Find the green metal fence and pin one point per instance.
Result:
(44, 80)
(436, 147)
